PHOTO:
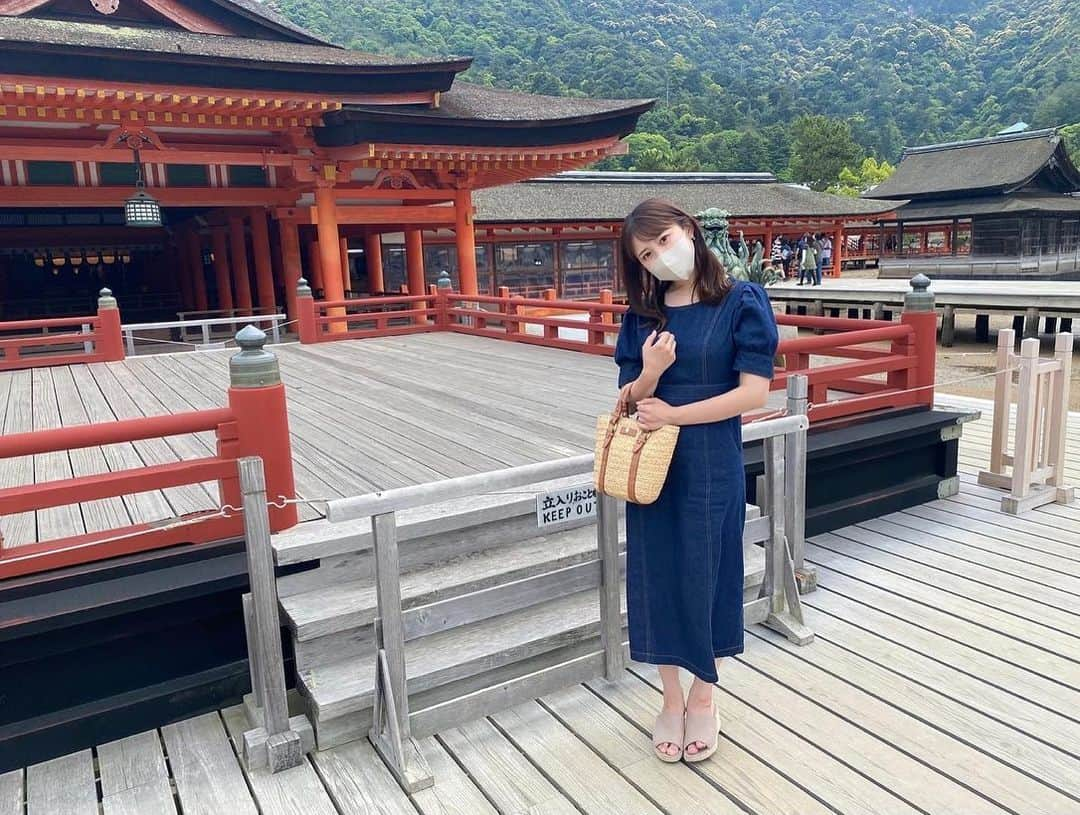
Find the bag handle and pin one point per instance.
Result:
(622, 404)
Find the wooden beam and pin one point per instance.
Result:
(381, 215)
(167, 196)
(21, 150)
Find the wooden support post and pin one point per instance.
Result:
(607, 538)
(877, 311)
(314, 259)
(837, 249)
(330, 253)
(414, 260)
(607, 297)
(346, 268)
(919, 313)
(1024, 444)
(264, 268)
(307, 328)
(1031, 323)
(1058, 421)
(466, 241)
(795, 486)
(192, 245)
(110, 340)
(289, 239)
(280, 743)
(238, 254)
(948, 325)
(373, 259)
(220, 248)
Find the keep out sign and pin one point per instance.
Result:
(566, 505)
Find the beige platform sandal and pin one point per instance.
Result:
(668, 729)
(703, 727)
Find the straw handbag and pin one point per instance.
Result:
(631, 463)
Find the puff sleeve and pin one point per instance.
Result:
(628, 349)
(755, 332)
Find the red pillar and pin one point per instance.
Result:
(837, 251)
(466, 241)
(414, 260)
(330, 252)
(373, 259)
(238, 247)
(264, 270)
(220, 245)
(314, 264)
(193, 247)
(329, 243)
(346, 278)
(289, 238)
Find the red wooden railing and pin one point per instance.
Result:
(901, 375)
(38, 349)
(254, 423)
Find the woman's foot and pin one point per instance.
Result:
(701, 715)
(668, 734)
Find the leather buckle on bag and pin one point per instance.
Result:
(628, 430)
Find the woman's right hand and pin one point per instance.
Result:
(658, 352)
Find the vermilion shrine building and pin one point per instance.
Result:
(267, 149)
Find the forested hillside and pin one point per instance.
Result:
(733, 78)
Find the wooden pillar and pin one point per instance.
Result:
(238, 253)
(346, 275)
(948, 326)
(837, 249)
(184, 273)
(264, 270)
(289, 238)
(373, 259)
(414, 260)
(192, 246)
(329, 243)
(466, 241)
(220, 245)
(766, 254)
(314, 265)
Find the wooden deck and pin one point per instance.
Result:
(945, 676)
(364, 414)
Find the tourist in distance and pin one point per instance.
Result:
(807, 260)
(684, 571)
(826, 255)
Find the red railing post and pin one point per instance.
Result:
(919, 313)
(109, 342)
(507, 307)
(551, 332)
(443, 290)
(307, 327)
(261, 427)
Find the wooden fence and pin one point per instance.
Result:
(254, 423)
(44, 343)
(868, 379)
(1032, 468)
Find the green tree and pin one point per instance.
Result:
(820, 148)
(649, 151)
(855, 182)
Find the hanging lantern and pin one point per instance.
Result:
(108, 257)
(125, 256)
(93, 258)
(58, 260)
(39, 261)
(141, 209)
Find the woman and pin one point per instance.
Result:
(684, 570)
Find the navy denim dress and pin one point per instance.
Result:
(684, 565)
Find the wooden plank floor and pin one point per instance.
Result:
(364, 415)
(945, 676)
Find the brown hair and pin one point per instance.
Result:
(643, 291)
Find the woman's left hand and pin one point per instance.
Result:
(653, 413)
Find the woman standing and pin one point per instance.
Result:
(684, 569)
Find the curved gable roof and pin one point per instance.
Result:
(997, 164)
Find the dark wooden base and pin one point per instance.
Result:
(868, 467)
(99, 652)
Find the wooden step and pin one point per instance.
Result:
(329, 610)
(340, 694)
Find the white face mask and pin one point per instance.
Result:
(674, 263)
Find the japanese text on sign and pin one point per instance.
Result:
(566, 505)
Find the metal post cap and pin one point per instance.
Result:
(302, 288)
(920, 298)
(444, 281)
(106, 299)
(254, 366)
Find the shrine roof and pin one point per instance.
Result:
(1000, 163)
(585, 196)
